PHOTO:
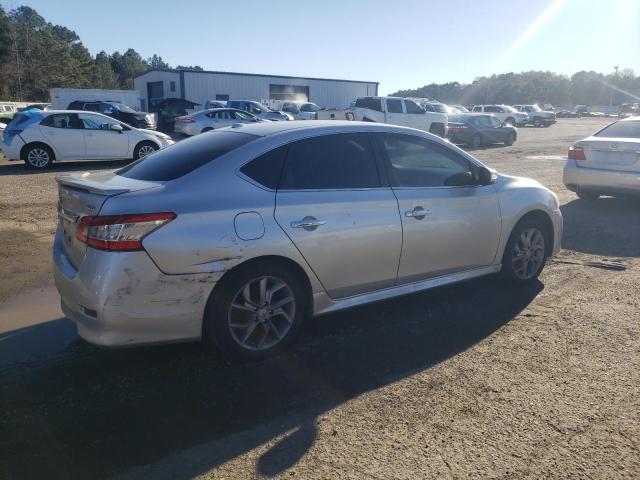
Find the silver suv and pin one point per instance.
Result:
(237, 234)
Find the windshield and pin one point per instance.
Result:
(533, 108)
(510, 109)
(621, 130)
(310, 107)
(122, 107)
(439, 107)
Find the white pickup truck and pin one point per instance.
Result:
(399, 111)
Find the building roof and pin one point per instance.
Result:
(178, 70)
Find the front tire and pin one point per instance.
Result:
(537, 122)
(143, 149)
(510, 139)
(476, 141)
(38, 157)
(526, 252)
(255, 311)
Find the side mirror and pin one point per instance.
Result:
(460, 179)
(117, 128)
(485, 176)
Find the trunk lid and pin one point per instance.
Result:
(82, 194)
(606, 153)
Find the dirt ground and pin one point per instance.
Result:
(466, 381)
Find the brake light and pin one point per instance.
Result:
(457, 129)
(185, 120)
(576, 153)
(120, 232)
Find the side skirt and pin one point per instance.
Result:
(322, 303)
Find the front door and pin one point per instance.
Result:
(447, 228)
(332, 205)
(395, 112)
(102, 142)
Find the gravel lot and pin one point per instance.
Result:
(466, 381)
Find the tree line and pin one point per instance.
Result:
(581, 88)
(36, 55)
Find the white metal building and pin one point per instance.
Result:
(199, 86)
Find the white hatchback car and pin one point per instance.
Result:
(40, 138)
(606, 163)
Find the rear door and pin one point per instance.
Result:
(332, 204)
(446, 228)
(102, 142)
(65, 133)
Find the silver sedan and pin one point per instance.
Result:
(237, 235)
(206, 120)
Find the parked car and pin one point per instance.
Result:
(238, 234)
(567, 114)
(36, 106)
(258, 110)
(476, 130)
(504, 113)
(400, 111)
(537, 116)
(170, 109)
(206, 120)
(40, 138)
(209, 104)
(301, 110)
(119, 111)
(7, 108)
(606, 163)
(434, 107)
(460, 108)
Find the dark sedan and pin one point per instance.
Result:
(477, 130)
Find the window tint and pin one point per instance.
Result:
(185, 156)
(221, 115)
(625, 129)
(394, 105)
(92, 107)
(330, 162)
(63, 120)
(91, 122)
(477, 109)
(482, 121)
(370, 103)
(242, 115)
(266, 168)
(416, 162)
(413, 107)
(495, 122)
(491, 109)
(309, 107)
(290, 108)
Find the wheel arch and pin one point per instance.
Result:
(544, 218)
(26, 146)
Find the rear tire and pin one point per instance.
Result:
(510, 139)
(143, 149)
(537, 122)
(510, 121)
(38, 156)
(525, 255)
(250, 321)
(476, 141)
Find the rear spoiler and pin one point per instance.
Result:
(90, 186)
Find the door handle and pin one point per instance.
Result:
(418, 213)
(308, 223)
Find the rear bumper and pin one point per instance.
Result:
(600, 180)
(122, 298)
(186, 128)
(12, 151)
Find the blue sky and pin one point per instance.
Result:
(400, 43)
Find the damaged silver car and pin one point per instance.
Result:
(236, 235)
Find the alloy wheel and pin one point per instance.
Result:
(261, 313)
(145, 150)
(38, 157)
(528, 253)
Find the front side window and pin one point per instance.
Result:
(413, 107)
(93, 107)
(394, 105)
(63, 120)
(482, 121)
(477, 109)
(290, 108)
(330, 162)
(491, 109)
(417, 162)
(91, 122)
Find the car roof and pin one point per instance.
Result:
(264, 129)
(630, 119)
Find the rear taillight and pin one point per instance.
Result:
(457, 129)
(185, 120)
(576, 153)
(120, 232)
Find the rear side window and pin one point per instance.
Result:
(184, 157)
(330, 162)
(370, 103)
(266, 168)
(621, 130)
(394, 105)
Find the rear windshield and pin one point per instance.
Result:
(621, 130)
(184, 157)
